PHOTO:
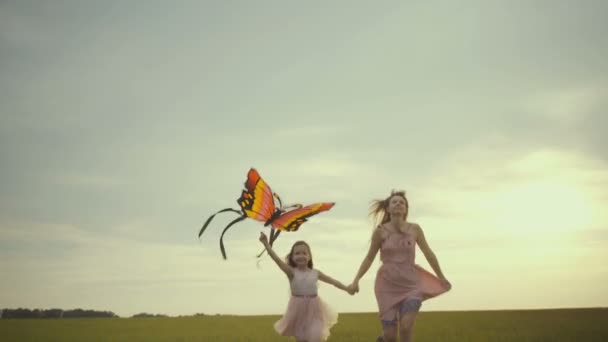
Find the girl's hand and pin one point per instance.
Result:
(263, 239)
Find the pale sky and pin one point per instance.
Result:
(125, 124)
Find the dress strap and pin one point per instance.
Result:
(383, 231)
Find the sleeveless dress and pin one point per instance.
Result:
(399, 278)
(307, 317)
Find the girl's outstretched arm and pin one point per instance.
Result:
(282, 265)
(325, 278)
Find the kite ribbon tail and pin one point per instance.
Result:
(280, 206)
(211, 218)
(238, 219)
(262, 252)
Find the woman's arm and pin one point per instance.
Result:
(428, 254)
(327, 279)
(282, 265)
(369, 258)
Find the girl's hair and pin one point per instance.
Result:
(289, 256)
(377, 210)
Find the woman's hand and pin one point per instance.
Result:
(446, 283)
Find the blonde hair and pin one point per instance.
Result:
(377, 210)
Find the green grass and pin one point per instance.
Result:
(587, 325)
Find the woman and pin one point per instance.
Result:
(400, 285)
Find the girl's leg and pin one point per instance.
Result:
(316, 331)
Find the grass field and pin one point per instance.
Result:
(588, 325)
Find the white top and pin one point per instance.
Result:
(304, 283)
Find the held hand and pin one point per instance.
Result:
(354, 286)
(350, 289)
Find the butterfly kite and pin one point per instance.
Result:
(258, 202)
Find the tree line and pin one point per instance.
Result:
(53, 313)
(75, 313)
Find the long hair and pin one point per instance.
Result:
(377, 210)
(289, 256)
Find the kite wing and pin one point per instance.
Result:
(292, 220)
(257, 200)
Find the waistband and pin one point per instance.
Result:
(304, 296)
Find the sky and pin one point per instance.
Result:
(126, 124)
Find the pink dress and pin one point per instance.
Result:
(307, 317)
(399, 278)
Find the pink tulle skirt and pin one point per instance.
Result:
(306, 318)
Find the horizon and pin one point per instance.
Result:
(156, 314)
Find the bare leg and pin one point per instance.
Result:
(316, 331)
(389, 333)
(406, 326)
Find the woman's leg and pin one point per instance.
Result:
(408, 312)
(406, 326)
(389, 331)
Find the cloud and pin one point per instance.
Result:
(568, 106)
(565, 116)
(491, 189)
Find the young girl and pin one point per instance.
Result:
(307, 317)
